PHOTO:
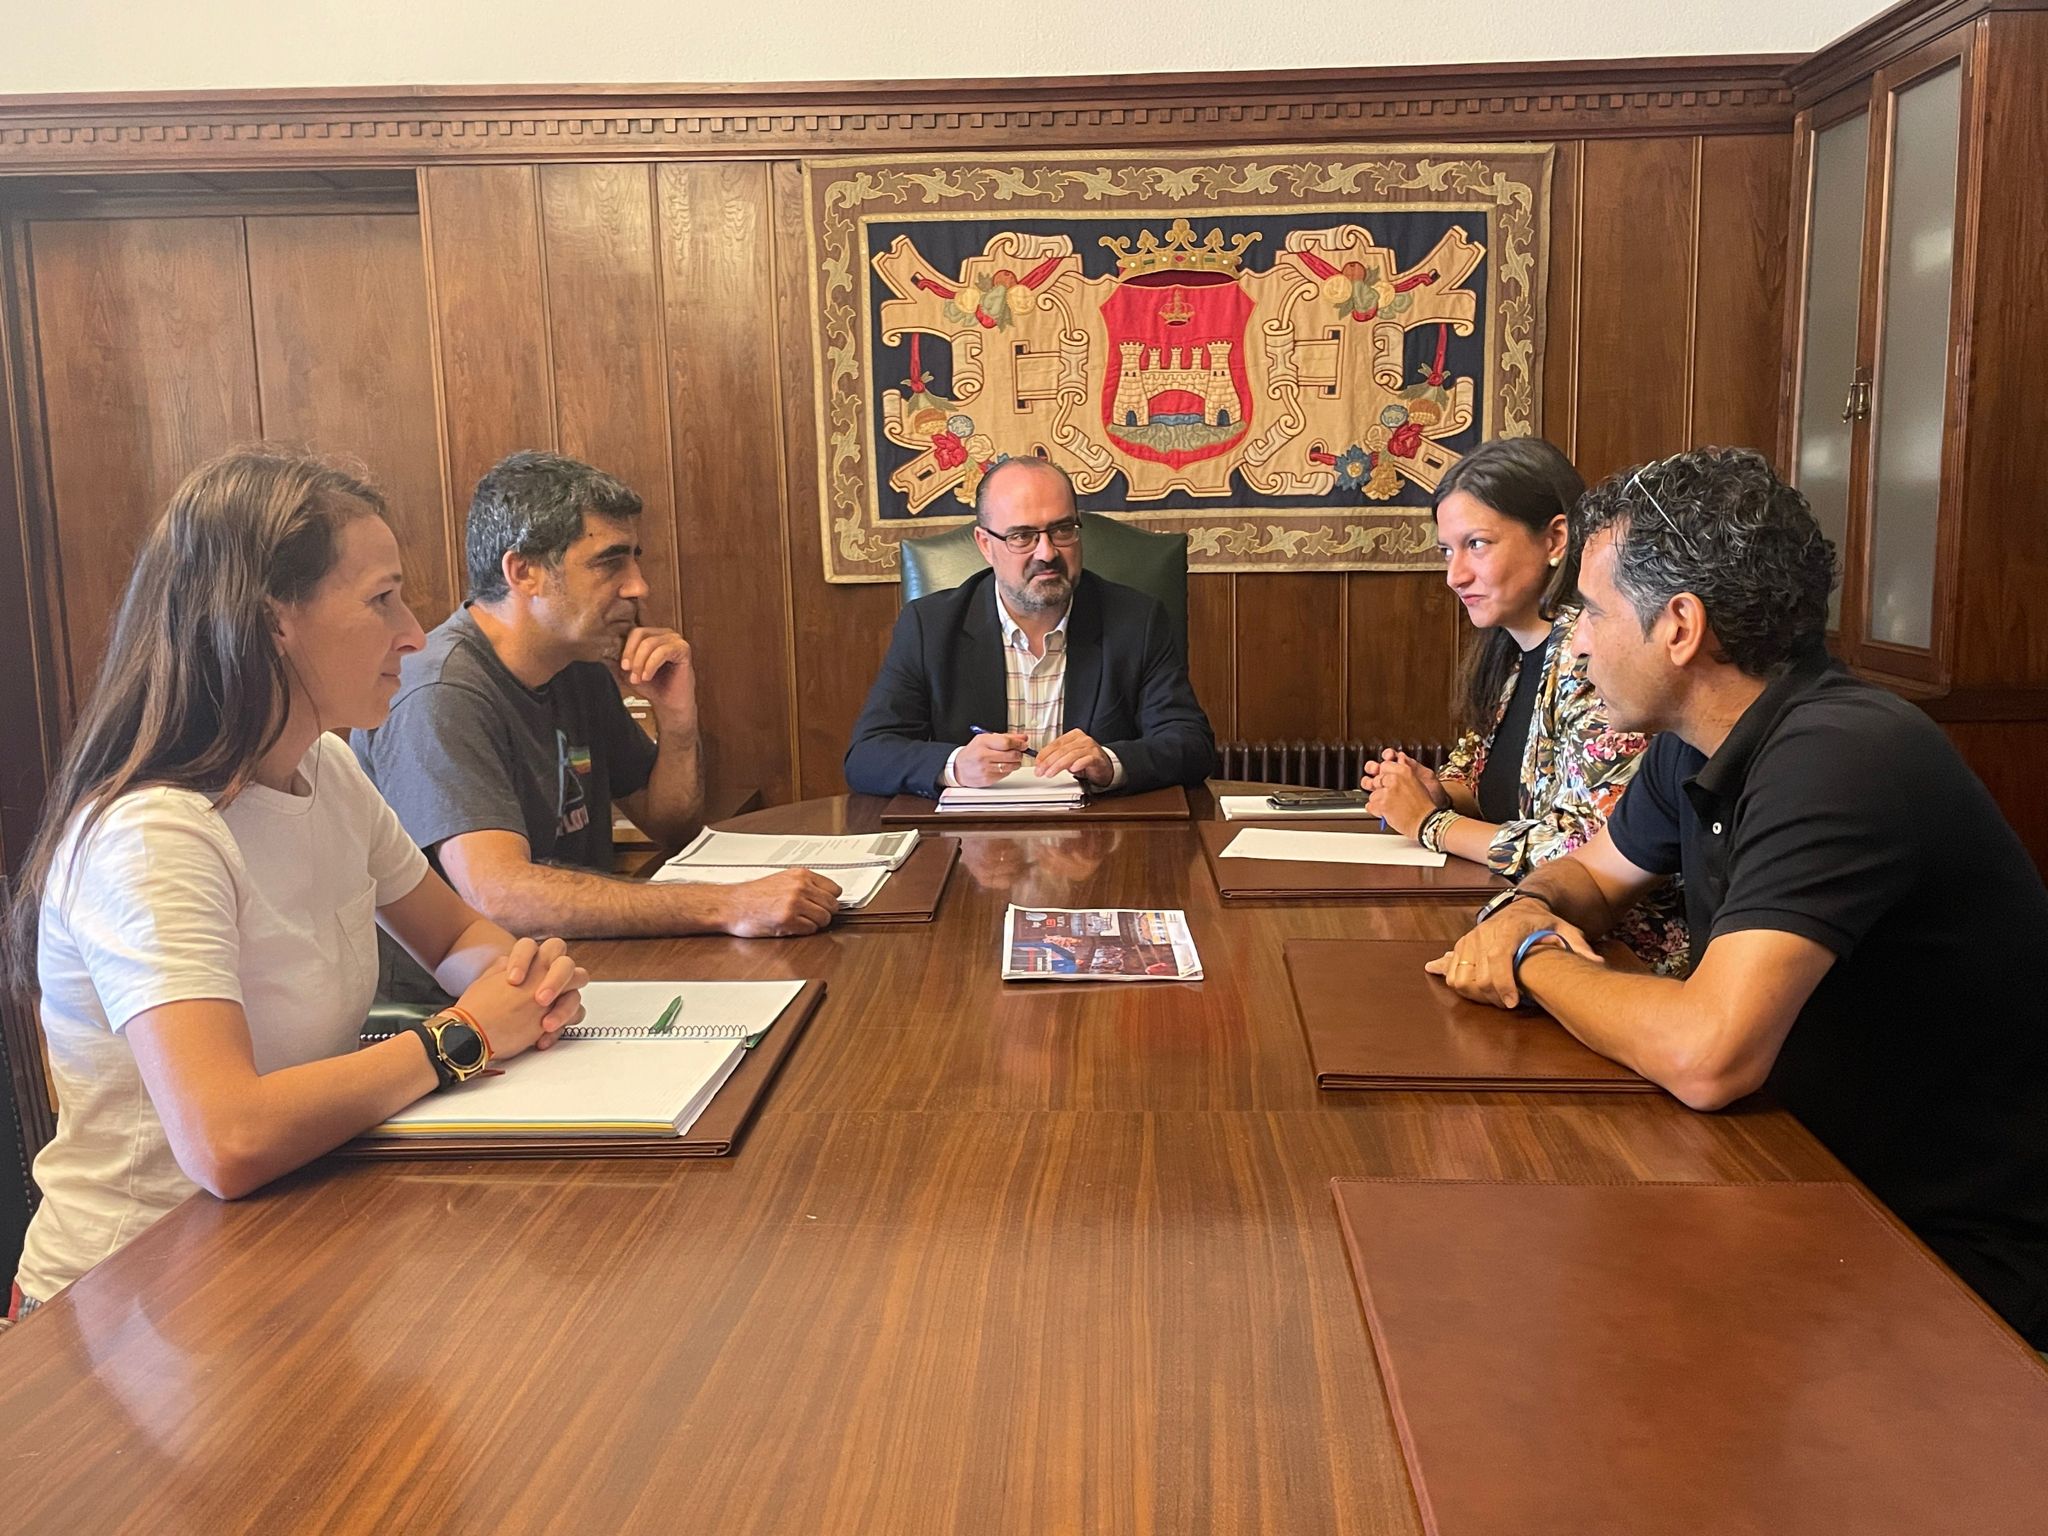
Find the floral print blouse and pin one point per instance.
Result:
(1574, 768)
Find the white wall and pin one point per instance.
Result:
(109, 45)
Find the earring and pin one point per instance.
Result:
(1555, 559)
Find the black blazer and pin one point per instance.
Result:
(1127, 686)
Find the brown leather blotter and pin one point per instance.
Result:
(1167, 804)
(1373, 1018)
(1572, 1359)
(911, 894)
(1300, 880)
(716, 1132)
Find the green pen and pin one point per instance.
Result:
(667, 1020)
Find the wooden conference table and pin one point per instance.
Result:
(1031, 1258)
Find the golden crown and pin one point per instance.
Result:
(1178, 251)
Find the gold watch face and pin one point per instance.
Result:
(460, 1046)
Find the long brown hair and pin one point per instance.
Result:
(193, 690)
(1529, 481)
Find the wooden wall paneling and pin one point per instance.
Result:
(1404, 632)
(29, 688)
(481, 226)
(1635, 302)
(727, 414)
(2007, 755)
(1212, 622)
(147, 368)
(1560, 413)
(66, 197)
(838, 633)
(344, 367)
(1739, 295)
(2001, 615)
(27, 703)
(1291, 655)
(607, 341)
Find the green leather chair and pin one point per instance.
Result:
(1154, 563)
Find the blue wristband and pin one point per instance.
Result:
(1529, 942)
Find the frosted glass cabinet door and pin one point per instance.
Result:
(1834, 273)
(1912, 370)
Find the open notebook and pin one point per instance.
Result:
(613, 1074)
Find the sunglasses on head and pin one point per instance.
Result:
(1635, 483)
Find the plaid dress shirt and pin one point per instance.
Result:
(1034, 688)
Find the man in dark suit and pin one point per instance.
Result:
(1036, 654)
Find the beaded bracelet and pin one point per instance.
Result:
(1431, 833)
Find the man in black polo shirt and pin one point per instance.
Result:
(1866, 925)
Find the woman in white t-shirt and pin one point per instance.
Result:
(199, 907)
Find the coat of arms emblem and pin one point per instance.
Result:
(1262, 371)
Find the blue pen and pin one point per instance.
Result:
(982, 730)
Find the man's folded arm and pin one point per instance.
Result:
(892, 751)
(495, 873)
(1708, 1040)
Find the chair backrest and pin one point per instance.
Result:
(1155, 563)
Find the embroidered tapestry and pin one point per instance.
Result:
(1278, 351)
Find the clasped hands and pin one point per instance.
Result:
(1401, 791)
(530, 999)
(990, 756)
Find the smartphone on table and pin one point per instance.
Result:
(1315, 799)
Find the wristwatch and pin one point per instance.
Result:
(455, 1044)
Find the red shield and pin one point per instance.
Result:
(1175, 388)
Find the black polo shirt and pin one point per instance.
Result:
(1839, 812)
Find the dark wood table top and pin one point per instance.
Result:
(994, 1258)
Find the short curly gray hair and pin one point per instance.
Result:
(1720, 524)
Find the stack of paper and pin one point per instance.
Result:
(857, 865)
(1023, 790)
(1098, 944)
(775, 850)
(1329, 848)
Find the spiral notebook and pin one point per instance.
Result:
(635, 1066)
(710, 1010)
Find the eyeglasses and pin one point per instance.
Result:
(1064, 535)
(1635, 483)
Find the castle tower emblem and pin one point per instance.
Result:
(1175, 389)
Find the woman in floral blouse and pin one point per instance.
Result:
(1536, 770)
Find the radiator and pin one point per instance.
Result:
(1314, 764)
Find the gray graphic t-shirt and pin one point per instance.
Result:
(470, 748)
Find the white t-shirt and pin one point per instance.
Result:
(270, 903)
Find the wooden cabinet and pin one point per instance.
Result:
(1917, 342)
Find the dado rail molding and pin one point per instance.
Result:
(265, 130)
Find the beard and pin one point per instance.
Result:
(1036, 596)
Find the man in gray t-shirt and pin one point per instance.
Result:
(508, 741)
(468, 747)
